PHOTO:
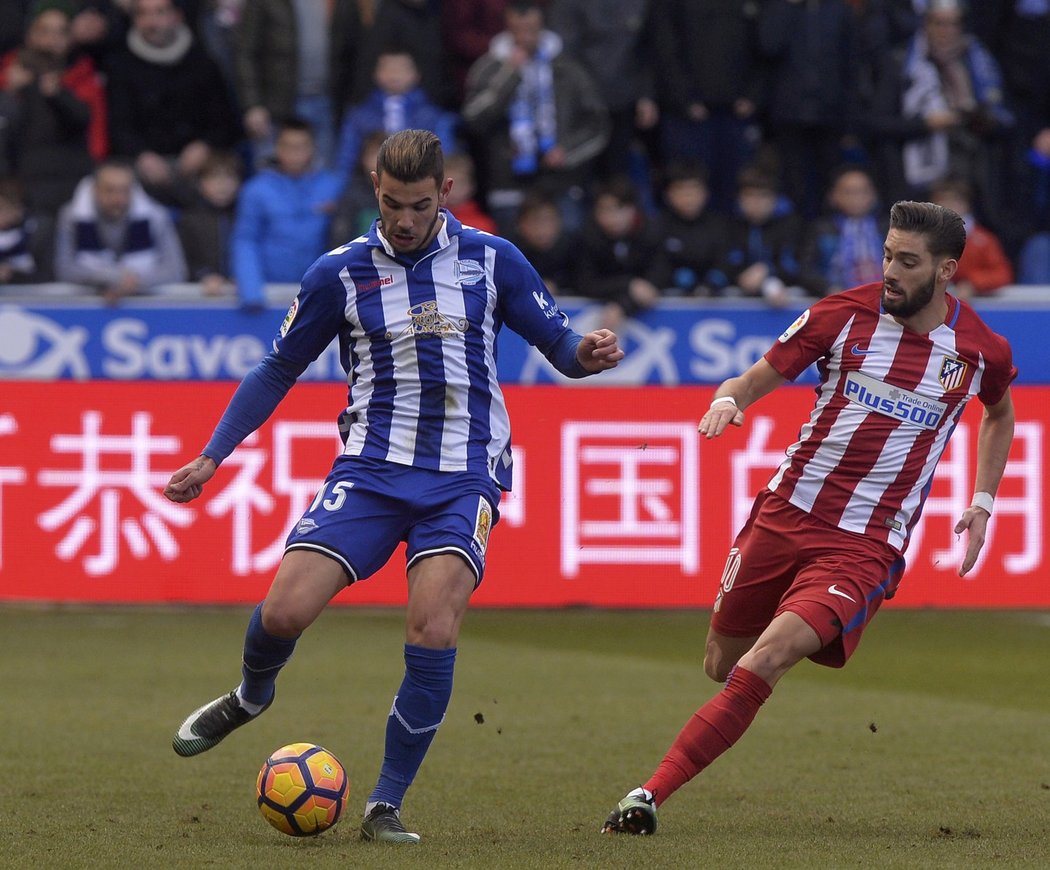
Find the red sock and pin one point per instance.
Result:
(711, 731)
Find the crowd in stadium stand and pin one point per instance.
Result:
(633, 149)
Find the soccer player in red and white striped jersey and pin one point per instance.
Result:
(824, 545)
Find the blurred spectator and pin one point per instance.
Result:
(536, 114)
(843, 248)
(761, 256)
(206, 225)
(56, 109)
(357, 208)
(612, 39)
(297, 58)
(620, 261)
(939, 110)
(217, 21)
(1033, 263)
(460, 201)
(16, 258)
(100, 27)
(283, 216)
(693, 237)
(543, 240)
(169, 105)
(710, 87)
(416, 25)
(468, 27)
(114, 237)
(1018, 34)
(396, 103)
(809, 49)
(984, 267)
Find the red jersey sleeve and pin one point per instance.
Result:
(999, 370)
(812, 334)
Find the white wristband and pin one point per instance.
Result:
(983, 500)
(723, 399)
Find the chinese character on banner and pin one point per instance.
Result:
(629, 495)
(98, 508)
(1019, 503)
(15, 474)
(243, 497)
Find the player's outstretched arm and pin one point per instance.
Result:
(599, 350)
(993, 448)
(188, 482)
(734, 395)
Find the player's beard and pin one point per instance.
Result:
(910, 303)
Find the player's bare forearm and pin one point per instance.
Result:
(993, 448)
(188, 482)
(736, 394)
(993, 444)
(599, 350)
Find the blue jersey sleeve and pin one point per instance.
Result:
(311, 324)
(526, 306)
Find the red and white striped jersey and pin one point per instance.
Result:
(888, 401)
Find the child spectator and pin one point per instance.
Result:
(461, 202)
(984, 266)
(396, 103)
(16, 259)
(844, 248)
(693, 237)
(112, 236)
(620, 261)
(357, 207)
(206, 225)
(283, 216)
(542, 238)
(761, 257)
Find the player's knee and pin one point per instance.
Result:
(770, 661)
(431, 631)
(281, 621)
(716, 667)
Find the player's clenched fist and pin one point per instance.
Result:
(188, 482)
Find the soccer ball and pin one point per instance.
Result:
(302, 789)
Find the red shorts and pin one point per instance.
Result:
(785, 559)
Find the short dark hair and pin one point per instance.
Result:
(755, 177)
(686, 170)
(619, 187)
(943, 229)
(295, 123)
(535, 199)
(412, 155)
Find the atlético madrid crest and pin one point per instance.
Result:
(953, 370)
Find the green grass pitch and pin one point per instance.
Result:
(930, 749)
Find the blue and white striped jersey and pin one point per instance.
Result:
(417, 337)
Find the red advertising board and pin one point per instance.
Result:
(617, 500)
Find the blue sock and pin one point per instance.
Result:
(418, 710)
(264, 656)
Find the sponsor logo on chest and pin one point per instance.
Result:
(895, 402)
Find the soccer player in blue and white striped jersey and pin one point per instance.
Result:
(416, 305)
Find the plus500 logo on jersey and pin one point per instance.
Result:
(900, 404)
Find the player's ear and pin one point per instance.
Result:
(375, 182)
(947, 269)
(444, 191)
